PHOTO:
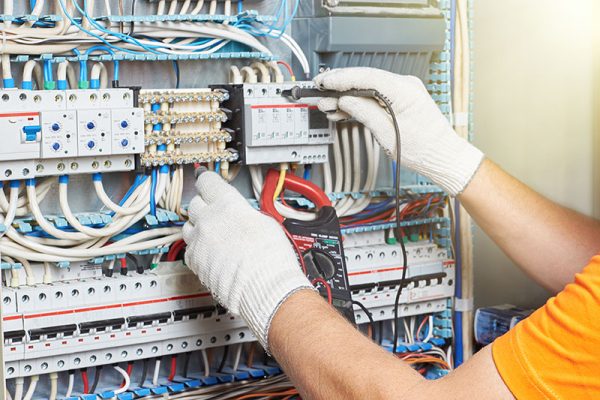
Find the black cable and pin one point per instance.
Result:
(133, 4)
(144, 372)
(224, 359)
(177, 73)
(96, 379)
(398, 230)
(297, 93)
(369, 315)
(186, 364)
(380, 338)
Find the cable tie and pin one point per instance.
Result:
(463, 305)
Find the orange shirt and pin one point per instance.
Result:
(555, 353)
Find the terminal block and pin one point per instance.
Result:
(184, 126)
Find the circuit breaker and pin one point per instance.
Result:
(270, 128)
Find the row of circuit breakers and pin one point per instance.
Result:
(86, 131)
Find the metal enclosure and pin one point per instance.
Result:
(399, 36)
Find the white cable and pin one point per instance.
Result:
(372, 171)
(70, 386)
(127, 379)
(238, 356)
(8, 9)
(28, 69)
(327, 186)
(107, 7)
(30, 278)
(249, 75)
(185, 7)
(99, 72)
(345, 141)
(279, 78)
(407, 335)
(161, 7)
(47, 279)
(235, 77)
(101, 193)
(205, 362)
(12, 207)
(430, 330)
(265, 76)
(156, 373)
(173, 7)
(6, 71)
(53, 386)
(19, 384)
(32, 386)
(212, 10)
(198, 7)
(356, 168)
(111, 229)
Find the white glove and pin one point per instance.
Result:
(241, 255)
(429, 144)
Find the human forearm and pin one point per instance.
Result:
(327, 358)
(549, 242)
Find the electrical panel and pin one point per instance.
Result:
(101, 142)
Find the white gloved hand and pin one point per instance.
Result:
(429, 144)
(242, 256)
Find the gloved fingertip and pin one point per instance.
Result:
(328, 104)
(199, 171)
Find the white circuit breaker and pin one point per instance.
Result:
(64, 132)
(271, 128)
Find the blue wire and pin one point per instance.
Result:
(218, 167)
(289, 20)
(306, 175)
(46, 73)
(139, 179)
(153, 192)
(32, 4)
(93, 22)
(111, 52)
(82, 66)
(240, 7)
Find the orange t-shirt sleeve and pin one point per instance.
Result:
(555, 353)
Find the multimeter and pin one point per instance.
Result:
(318, 241)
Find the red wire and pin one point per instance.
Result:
(287, 66)
(173, 368)
(175, 250)
(123, 263)
(421, 326)
(327, 287)
(86, 382)
(129, 371)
